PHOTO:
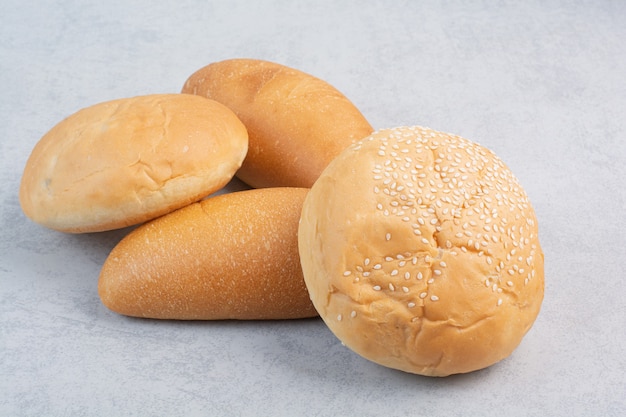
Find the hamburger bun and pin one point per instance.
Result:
(125, 161)
(297, 123)
(420, 251)
(232, 256)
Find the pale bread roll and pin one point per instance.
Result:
(297, 123)
(420, 251)
(125, 161)
(233, 256)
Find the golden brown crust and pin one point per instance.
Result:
(297, 123)
(232, 256)
(420, 251)
(126, 161)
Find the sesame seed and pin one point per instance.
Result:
(434, 298)
(391, 287)
(394, 273)
(376, 287)
(405, 289)
(353, 314)
(411, 304)
(388, 236)
(339, 317)
(347, 273)
(423, 295)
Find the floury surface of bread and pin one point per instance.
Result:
(126, 161)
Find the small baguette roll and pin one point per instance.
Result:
(233, 256)
(296, 123)
(125, 161)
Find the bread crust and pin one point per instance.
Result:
(297, 123)
(420, 251)
(126, 161)
(233, 256)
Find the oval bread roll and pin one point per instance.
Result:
(125, 161)
(297, 123)
(420, 251)
(233, 256)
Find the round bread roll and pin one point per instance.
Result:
(125, 161)
(297, 123)
(420, 252)
(232, 256)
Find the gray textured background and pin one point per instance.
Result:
(542, 83)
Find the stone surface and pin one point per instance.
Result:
(540, 83)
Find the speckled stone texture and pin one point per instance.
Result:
(541, 83)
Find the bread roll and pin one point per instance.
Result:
(125, 161)
(232, 256)
(420, 251)
(297, 123)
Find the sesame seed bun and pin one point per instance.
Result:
(420, 252)
(297, 123)
(125, 161)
